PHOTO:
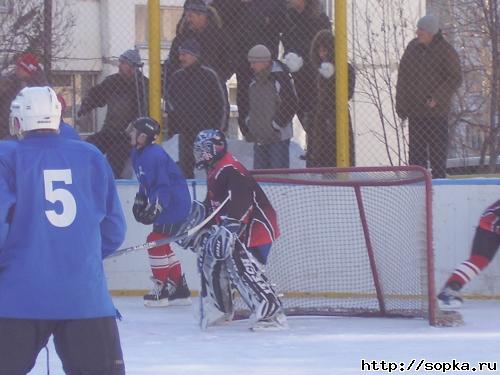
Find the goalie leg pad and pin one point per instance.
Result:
(216, 288)
(252, 284)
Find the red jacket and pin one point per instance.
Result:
(490, 219)
(248, 202)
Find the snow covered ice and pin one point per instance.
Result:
(167, 341)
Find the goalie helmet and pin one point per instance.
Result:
(209, 146)
(148, 126)
(34, 108)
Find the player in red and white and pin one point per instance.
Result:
(234, 250)
(484, 247)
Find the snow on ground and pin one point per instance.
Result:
(167, 341)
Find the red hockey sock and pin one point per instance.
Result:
(159, 257)
(469, 269)
(163, 261)
(175, 271)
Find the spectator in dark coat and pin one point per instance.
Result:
(304, 20)
(272, 105)
(28, 73)
(322, 135)
(429, 74)
(202, 23)
(247, 23)
(196, 101)
(125, 94)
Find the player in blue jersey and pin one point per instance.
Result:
(60, 202)
(164, 201)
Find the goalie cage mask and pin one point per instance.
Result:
(209, 146)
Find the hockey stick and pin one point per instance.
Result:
(166, 241)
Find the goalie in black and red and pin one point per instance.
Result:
(232, 252)
(484, 247)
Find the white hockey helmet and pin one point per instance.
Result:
(34, 108)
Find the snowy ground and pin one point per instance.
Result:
(167, 341)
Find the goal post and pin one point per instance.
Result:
(354, 241)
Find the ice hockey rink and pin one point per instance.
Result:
(166, 341)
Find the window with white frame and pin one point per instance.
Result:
(169, 17)
(73, 86)
(3, 6)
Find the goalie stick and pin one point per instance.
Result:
(177, 237)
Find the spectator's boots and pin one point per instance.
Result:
(158, 295)
(450, 298)
(179, 294)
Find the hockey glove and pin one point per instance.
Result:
(150, 213)
(293, 61)
(220, 242)
(326, 70)
(140, 203)
(83, 110)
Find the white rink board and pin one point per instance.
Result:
(457, 205)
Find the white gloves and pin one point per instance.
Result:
(276, 126)
(326, 69)
(293, 61)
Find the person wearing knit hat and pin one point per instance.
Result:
(27, 73)
(427, 28)
(272, 104)
(27, 64)
(429, 23)
(125, 95)
(131, 57)
(429, 74)
(195, 101)
(259, 53)
(198, 6)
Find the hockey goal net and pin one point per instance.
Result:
(355, 241)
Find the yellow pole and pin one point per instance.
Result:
(154, 62)
(341, 82)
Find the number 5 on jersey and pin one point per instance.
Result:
(68, 212)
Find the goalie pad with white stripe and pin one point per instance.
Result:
(216, 302)
(253, 286)
(224, 263)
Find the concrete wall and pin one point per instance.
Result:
(457, 205)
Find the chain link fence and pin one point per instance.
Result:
(433, 105)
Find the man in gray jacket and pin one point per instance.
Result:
(272, 105)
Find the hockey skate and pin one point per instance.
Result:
(450, 299)
(158, 296)
(278, 322)
(179, 295)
